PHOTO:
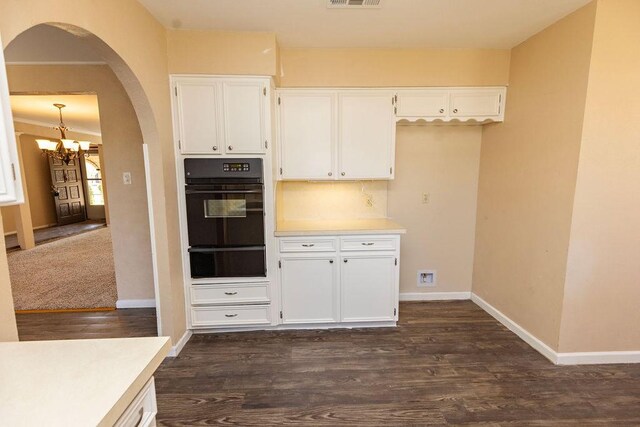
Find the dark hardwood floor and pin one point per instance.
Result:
(446, 363)
(123, 323)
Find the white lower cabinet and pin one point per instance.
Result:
(355, 279)
(142, 411)
(309, 287)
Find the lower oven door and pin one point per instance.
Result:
(248, 261)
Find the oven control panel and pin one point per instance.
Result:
(235, 167)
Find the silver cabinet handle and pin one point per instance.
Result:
(140, 416)
(231, 293)
(442, 110)
(230, 148)
(345, 260)
(215, 148)
(455, 110)
(368, 244)
(230, 315)
(330, 174)
(330, 261)
(308, 245)
(342, 174)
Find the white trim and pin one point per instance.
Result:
(56, 63)
(152, 236)
(176, 349)
(525, 335)
(294, 327)
(136, 303)
(434, 296)
(598, 357)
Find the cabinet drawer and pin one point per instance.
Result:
(231, 315)
(363, 243)
(230, 294)
(142, 411)
(313, 244)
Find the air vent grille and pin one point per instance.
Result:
(354, 4)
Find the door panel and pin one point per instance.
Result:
(244, 117)
(67, 191)
(429, 103)
(368, 288)
(367, 135)
(197, 109)
(307, 135)
(475, 103)
(309, 290)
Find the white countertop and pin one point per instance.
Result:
(74, 382)
(338, 227)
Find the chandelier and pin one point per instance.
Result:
(65, 149)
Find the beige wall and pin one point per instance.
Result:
(221, 52)
(8, 329)
(442, 161)
(393, 67)
(528, 172)
(602, 289)
(122, 145)
(135, 45)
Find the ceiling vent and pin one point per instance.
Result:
(354, 4)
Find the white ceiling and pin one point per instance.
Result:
(81, 113)
(398, 23)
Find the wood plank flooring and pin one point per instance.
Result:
(123, 323)
(446, 363)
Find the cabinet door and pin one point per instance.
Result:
(368, 286)
(366, 136)
(475, 103)
(307, 135)
(243, 106)
(200, 129)
(423, 103)
(10, 180)
(309, 290)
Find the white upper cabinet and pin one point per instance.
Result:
(197, 110)
(243, 107)
(307, 135)
(366, 135)
(217, 115)
(483, 104)
(10, 180)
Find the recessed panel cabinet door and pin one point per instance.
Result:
(307, 135)
(10, 180)
(423, 103)
(366, 136)
(475, 103)
(368, 288)
(244, 116)
(200, 130)
(309, 290)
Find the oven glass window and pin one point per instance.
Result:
(225, 208)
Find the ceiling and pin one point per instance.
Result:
(81, 113)
(496, 24)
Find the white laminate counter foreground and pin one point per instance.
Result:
(338, 227)
(74, 382)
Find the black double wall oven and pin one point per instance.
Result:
(225, 217)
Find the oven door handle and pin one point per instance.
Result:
(223, 191)
(212, 250)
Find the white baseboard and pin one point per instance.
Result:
(136, 303)
(434, 296)
(525, 335)
(176, 349)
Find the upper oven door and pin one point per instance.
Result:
(225, 215)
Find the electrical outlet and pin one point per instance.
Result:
(425, 198)
(126, 178)
(427, 278)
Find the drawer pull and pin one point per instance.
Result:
(230, 315)
(308, 245)
(230, 293)
(140, 416)
(368, 244)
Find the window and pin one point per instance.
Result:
(94, 179)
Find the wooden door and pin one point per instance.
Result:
(367, 135)
(244, 116)
(67, 191)
(368, 288)
(307, 135)
(198, 115)
(309, 290)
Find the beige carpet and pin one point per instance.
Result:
(72, 273)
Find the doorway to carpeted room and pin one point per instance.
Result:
(75, 273)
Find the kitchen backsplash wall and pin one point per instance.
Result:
(331, 200)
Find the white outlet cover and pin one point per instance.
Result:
(126, 178)
(427, 278)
